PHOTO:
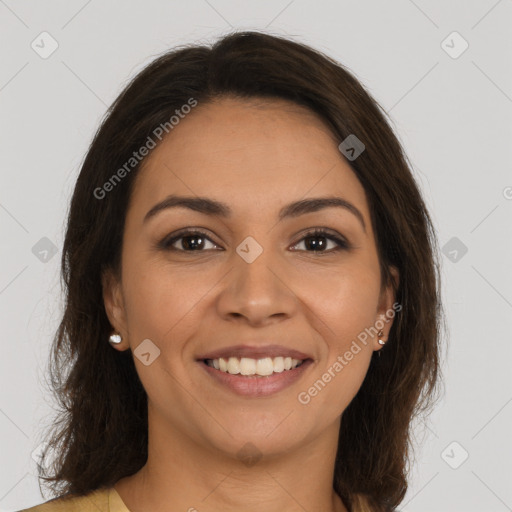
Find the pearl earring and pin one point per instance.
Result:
(115, 339)
(381, 333)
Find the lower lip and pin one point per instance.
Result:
(253, 386)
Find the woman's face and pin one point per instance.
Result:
(256, 284)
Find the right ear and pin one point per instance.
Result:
(114, 306)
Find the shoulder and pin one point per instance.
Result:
(95, 501)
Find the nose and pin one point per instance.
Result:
(257, 293)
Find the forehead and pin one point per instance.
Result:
(254, 154)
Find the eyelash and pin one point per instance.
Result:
(166, 243)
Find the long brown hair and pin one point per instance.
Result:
(100, 434)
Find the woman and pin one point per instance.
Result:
(282, 367)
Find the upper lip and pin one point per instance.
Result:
(253, 352)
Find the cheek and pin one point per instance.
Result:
(162, 306)
(348, 306)
(345, 302)
(160, 301)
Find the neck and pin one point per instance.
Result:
(186, 475)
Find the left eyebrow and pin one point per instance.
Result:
(319, 203)
(209, 206)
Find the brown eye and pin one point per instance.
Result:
(190, 241)
(317, 241)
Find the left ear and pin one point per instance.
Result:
(386, 311)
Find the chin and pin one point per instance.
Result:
(248, 440)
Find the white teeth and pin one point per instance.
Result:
(278, 364)
(248, 366)
(265, 366)
(233, 365)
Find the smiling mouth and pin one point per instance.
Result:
(247, 367)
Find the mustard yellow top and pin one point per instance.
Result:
(101, 500)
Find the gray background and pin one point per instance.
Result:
(452, 113)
